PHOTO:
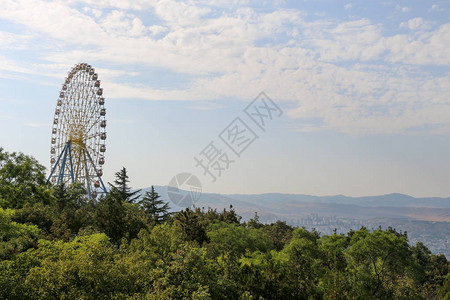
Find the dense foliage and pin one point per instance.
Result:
(55, 243)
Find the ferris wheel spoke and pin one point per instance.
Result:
(94, 124)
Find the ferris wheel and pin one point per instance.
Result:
(79, 132)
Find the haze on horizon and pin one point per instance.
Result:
(363, 88)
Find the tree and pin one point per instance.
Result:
(156, 209)
(110, 215)
(189, 222)
(22, 180)
(230, 216)
(119, 219)
(254, 222)
(73, 196)
(212, 216)
(280, 233)
(15, 237)
(377, 259)
(298, 264)
(335, 279)
(444, 291)
(121, 185)
(73, 210)
(38, 214)
(235, 239)
(84, 268)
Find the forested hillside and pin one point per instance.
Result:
(55, 243)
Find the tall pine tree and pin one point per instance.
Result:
(155, 208)
(121, 185)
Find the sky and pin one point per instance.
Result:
(355, 93)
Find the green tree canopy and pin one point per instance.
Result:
(15, 237)
(55, 243)
(22, 180)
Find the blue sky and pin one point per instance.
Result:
(363, 85)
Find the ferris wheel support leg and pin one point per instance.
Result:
(99, 177)
(63, 167)
(87, 176)
(69, 144)
(103, 185)
(57, 162)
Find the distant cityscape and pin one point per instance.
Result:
(434, 235)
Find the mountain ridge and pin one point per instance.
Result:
(386, 200)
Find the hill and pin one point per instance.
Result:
(425, 219)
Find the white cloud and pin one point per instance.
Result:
(348, 6)
(436, 7)
(354, 40)
(428, 48)
(350, 75)
(7, 117)
(97, 13)
(135, 91)
(117, 23)
(117, 4)
(12, 66)
(113, 74)
(225, 3)
(403, 9)
(415, 24)
(178, 13)
(13, 41)
(54, 19)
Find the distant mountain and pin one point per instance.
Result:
(289, 206)
(390, 200)
(425, 219)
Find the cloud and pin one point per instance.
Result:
(7, 117)
(436, 7)
(427, 48)
(10, 66)
(54, 19)
(112, 74)
(353, 75)
(95, 12)
(403, 9)
(13, 41)
(354, 40)
(118, 23)
(137, 91)
(416, 23)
